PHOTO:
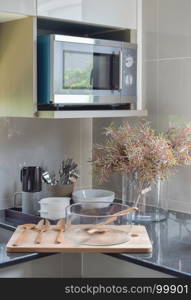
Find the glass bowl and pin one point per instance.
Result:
(87, 224)
(100, 197)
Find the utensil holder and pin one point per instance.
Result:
(59, 190)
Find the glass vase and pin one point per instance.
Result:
(151, 202)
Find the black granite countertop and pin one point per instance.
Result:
(171, 245)
(171, 241)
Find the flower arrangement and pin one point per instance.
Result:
(141, 153)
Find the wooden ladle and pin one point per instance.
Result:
(61, 228)
(41, 227)
(109, 220)
(23, 234)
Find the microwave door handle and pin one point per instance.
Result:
(120, 70)
(91, 78)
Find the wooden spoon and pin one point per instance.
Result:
(23, 234)
(109, 220)
(97, 230)
(41, 227)
(61, 228)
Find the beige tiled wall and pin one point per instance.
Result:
(44, 143)
(167, 77)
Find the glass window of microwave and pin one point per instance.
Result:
(90, 71)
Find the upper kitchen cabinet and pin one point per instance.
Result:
(25, 7)
(116, 13)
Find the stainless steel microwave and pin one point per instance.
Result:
(76, 72)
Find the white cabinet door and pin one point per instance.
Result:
(26, 7)
(118, 13)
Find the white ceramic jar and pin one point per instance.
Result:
(54, 207)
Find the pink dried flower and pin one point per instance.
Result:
(140, 152)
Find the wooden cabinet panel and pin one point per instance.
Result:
(17, 68)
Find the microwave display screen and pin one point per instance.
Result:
(90, 71)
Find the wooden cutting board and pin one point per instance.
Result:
(138, 242)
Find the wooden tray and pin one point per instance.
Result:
(139, 242)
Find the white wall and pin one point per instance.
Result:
(167, 77)
(44, 143)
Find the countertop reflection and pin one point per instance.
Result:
(171, 240)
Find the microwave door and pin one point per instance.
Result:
(105, 73)
(86, 74)
(73, 64)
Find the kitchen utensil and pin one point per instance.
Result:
(139, 243)
(68, 175)
(47, 178)
(110, 220)
(60, 227)
(68, 172)
(97, 230)
(41, 227)
(102, 198)
(23, 234)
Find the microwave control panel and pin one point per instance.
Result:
(129, 72)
